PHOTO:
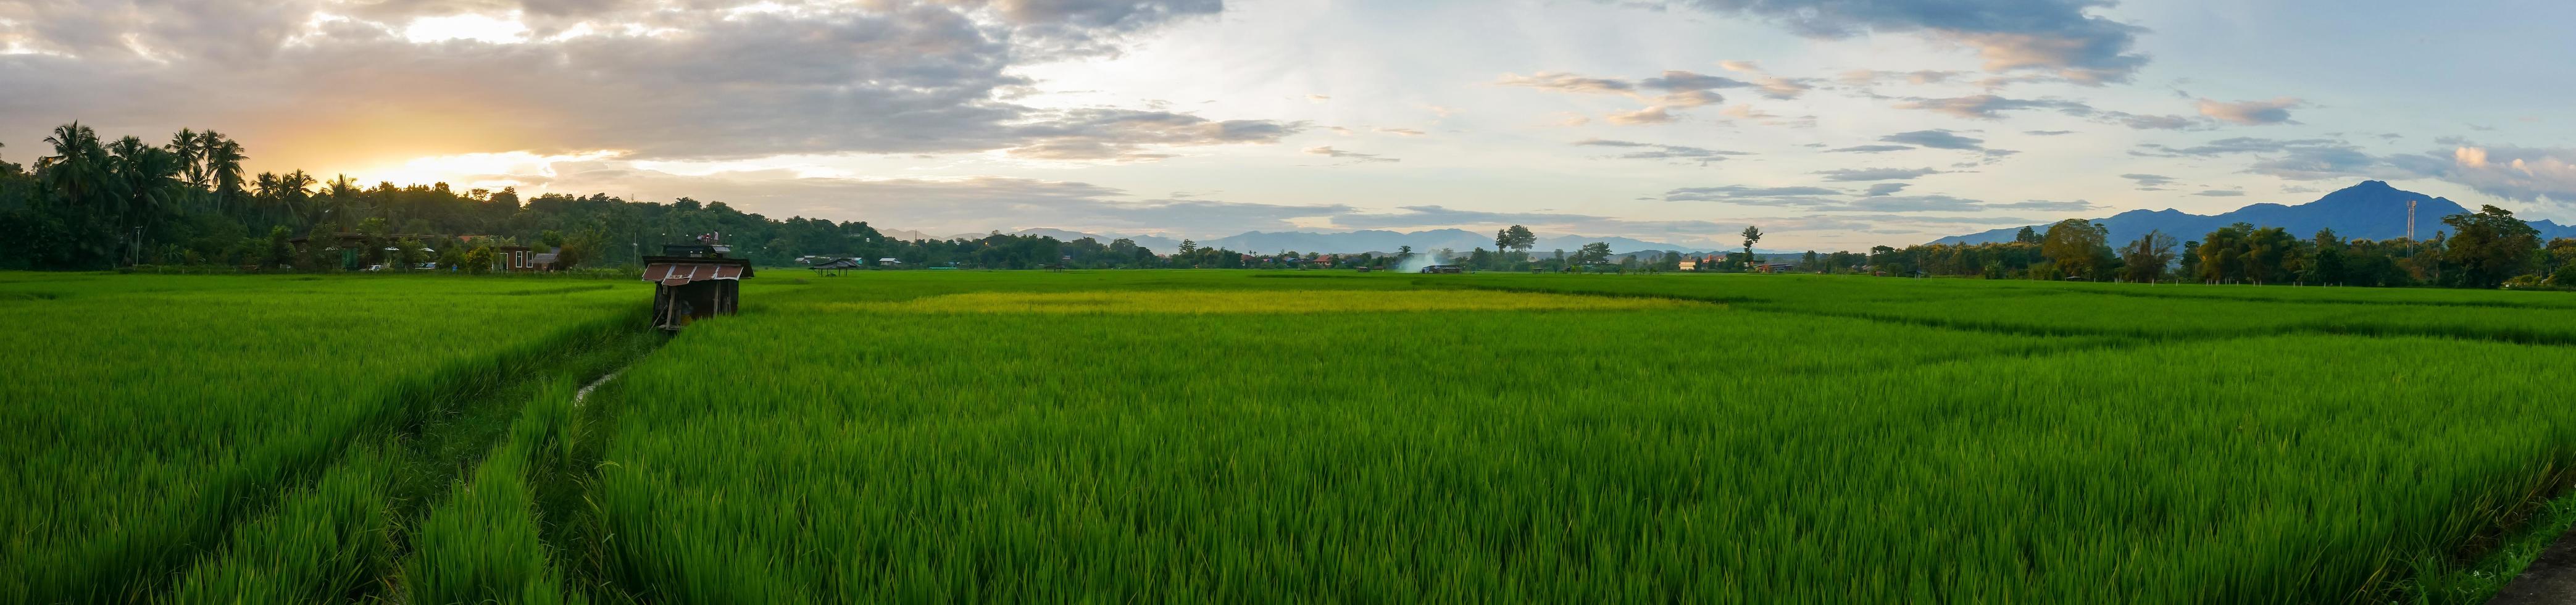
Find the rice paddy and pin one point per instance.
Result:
(1230, 436)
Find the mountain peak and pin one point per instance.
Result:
(2368, 210)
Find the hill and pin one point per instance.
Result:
(2372, 210)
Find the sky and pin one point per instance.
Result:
(1830, 124)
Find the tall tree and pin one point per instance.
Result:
(1751, 235)
(2145, 260)
(1592, 253)
(79, 170)
(2076, 245)
(2489, 246)
(223, 165)
(192, 156)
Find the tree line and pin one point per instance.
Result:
(98, 204)
(2488, 248)
(93, 203)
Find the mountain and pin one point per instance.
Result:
(2370, 210)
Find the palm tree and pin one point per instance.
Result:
(149, 176)
(148, 179)
(222, 158)
(342, 191)
(297, 198)
(79, 170)
(192, 154)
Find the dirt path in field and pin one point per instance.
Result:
(2550, 580)
(584, 394)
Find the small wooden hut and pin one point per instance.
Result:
(836, 266)
(693, 282)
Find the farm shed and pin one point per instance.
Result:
(835, 266)
(512, 258)
(694, 282)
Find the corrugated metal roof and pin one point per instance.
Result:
(681, 274)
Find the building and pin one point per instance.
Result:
(693, 282)
(835, 266)
(513, 258)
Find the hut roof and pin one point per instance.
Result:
(681, 271)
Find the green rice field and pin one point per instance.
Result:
(1185, 436)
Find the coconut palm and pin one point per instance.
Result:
(222, 158)
(149, 178)
(80, 170)
(296, 194)
(192, 154)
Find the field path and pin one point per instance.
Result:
(2550, 580)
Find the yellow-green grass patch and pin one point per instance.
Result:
(1258, 302)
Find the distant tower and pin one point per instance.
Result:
(2410, 219)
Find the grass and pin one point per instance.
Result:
(1245, 436)
(171, 409)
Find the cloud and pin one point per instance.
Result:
(1883, 189)
(2252, 113)
(938, 205)
(1876, 174)
(1936, 139)
(1690, 98)
(1400, 131)
(2517, 173)
(1868, 149)
(2050, 36)
(1566, 82)
(1122, 134)
(1678, 80)
(1916, 203)
(1686, 232)
(1651, 115)
(1330, 152)
(2047, 133)
(2220, 193)
(1990, 107)
(678, 80)
(1757, 196)
(1866, 77)
(2148, 180)
(2045, 206)
(2148, 122)
(1652, 151)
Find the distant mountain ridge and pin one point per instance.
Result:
(2370, 210)
(1342, 242)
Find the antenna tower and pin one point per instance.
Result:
(2410, 219)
